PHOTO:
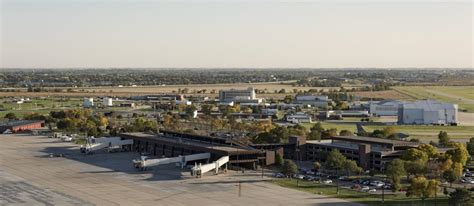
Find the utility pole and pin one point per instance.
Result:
(337, 180)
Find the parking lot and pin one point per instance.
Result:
(29, 176)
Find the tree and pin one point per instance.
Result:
(470, 146)
(417, 187)
(278, 159)
(395, 170)
(415, 167)
(421, 187)
(10, 116)
(351, 167)
(459, 153)
(414, 154)
(460, 197)
(346, 133)
(314, 135)
(289, 168)
(450, 176)
(443, 138)
(207, 109)
(316, 166)
(430, 150)
(387, 131)
(335, 160)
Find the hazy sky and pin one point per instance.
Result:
(236, 33)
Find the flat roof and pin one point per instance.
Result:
(190, 142)
(15, 123)
(375, 140)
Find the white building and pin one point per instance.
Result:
(311, 100)
(384, 108)
(427, 112)
(107, 102)
(239, 96)
(299, 117)
(88, 102)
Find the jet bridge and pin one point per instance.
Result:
(143, 163)
(199, 170)
(109, 143)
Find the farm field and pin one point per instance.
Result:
(461, 95)
(268, 87)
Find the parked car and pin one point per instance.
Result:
(278, 175)
(299, 177)
(356, 187)
(365, 189)
(467, 180)
(328, 181)
(372, 190)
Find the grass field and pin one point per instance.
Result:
(461, 95)
(41, 106)
(425, 133)
(360, 197)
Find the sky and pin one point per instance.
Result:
(236, 34)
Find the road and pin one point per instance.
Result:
(28, 176)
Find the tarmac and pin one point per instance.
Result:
(29, 176)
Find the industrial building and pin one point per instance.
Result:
(427, 112)
(299, 117)
(368, 152)
(311, 100)
(173, 144)
(384, 108)
(88, 102)
(239, 96)
(20, 125)
(107, 102)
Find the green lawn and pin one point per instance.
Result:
(359, 197)
(41, 106)
(463, 96)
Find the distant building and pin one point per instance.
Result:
(427, 112)
(127, 104)
(299, 117)
(384, 108)
(20, 125)
(311, 100)
(88, 102)
(239, 96)
(106, 101)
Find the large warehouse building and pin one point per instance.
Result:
(239, 96)
(427, 112)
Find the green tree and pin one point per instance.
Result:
(289, 168)
(414, 154)
(346, 133)
(470, 146)
(395, 170)
(450, 176)
(335, 160)
(10, 116)
(460, 197)
(421, 187)
(278, 159)
(443, 138)
(316, 166)
(430, 150)
(314, 135)
(351, 167)
(459, 153)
